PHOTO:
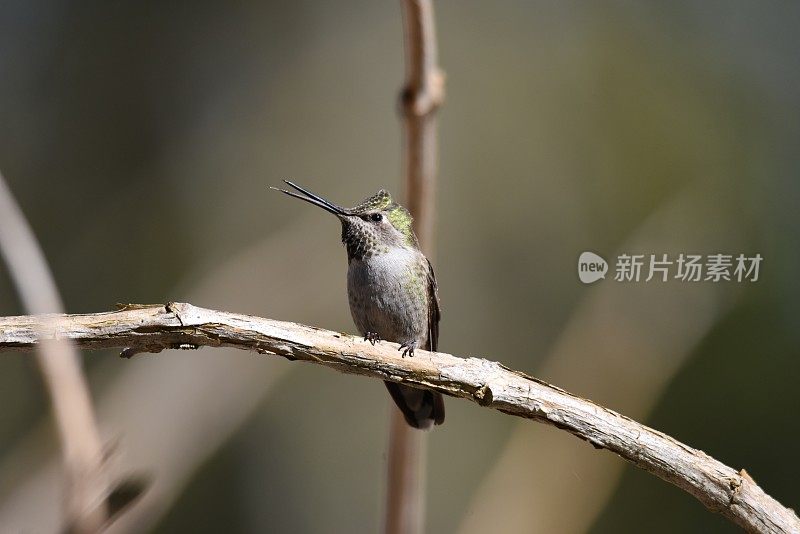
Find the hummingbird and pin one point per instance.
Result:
(391, 288)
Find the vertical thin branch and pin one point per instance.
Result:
(86, 484)
(405, 478)
(422, 93)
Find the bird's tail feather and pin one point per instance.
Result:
(421, 408)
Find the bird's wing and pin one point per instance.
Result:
(433, 310)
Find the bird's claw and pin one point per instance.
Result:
(408, 349)
(372, 337)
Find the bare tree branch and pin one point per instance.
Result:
(421, 95)
(167, 435)
(153, 328)
(87, 485)
(612, 351)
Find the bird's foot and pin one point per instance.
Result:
(408, 349)
(372, 337)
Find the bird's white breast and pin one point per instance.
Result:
(384, 270)
(384, 295)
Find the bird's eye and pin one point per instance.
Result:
(376, 217)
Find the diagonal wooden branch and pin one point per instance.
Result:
(152, 328)
(87, 483)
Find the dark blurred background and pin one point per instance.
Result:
(140, 138)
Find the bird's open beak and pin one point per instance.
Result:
(311, 198)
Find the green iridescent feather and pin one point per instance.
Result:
(397, 214)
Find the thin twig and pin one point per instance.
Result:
(87, 486)
(405, 479)
(153, 328)
(421, 95)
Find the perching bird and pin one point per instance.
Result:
(391, 288)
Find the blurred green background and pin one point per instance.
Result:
(140, 138)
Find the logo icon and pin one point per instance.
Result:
(591, 267)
